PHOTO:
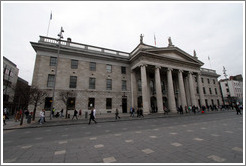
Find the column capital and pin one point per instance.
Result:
(190, 72)
(169, 69)
(157, 67)
(199, 73)
(181, 71)
(143, 65)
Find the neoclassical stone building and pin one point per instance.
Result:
(149, 77)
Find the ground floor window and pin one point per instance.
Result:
(71, 103)
(108, 103)
(91, 102)
(48, 102)
(218, 102)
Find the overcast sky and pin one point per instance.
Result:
(212, 29)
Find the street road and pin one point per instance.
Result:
(208, 138)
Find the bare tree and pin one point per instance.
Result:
(36, 98)
(65, 96)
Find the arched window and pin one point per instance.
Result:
(139, 85)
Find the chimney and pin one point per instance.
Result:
(69, 40)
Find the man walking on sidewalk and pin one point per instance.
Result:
(92, 115)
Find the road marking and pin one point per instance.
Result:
(62, 142)
(27, 132)
(124, 129)
(176, 144)
(173, 133)
(203, 128)
(129, 140)
(117, 135)
(10, 160)
(215, 135)
(229, 132)
(93, 138)
(156, 129)
(65, 135)
(109, 160)
(148, 151)
(26, 147)
(39, 138)
(48, 130)
(216, 158)
(198, 139)
(237, 149)
(152, 136)
(99, 146)
(184, 125)
(60, 152)
(189, 130)
(107, 131)
(138, 132)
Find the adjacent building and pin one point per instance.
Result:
(232, 89)
(10, 76)
(148, 77)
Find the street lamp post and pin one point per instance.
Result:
(58, 53)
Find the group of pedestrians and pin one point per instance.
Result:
(139, 112)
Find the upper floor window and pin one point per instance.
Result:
(204, 90)
(139, 85)
(208, 81)
(51, 80)
(214, 81)
(109, 68)
(92, 66)
(92, 83)
(215, 91)
(109, 84)
(123, 70)
(124, 85)
(73, 82)
(53, 61)
(210, 90)
(202, 80)
(74, 64)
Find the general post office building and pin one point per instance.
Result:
(149, 77)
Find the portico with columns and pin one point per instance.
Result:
(164, 78)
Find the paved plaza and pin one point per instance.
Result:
(205, 138)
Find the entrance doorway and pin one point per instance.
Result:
(124, 105)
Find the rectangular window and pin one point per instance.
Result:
(124, 85)
(74, 64)
(208, 81)
(109, 84)
(53, 61)
(202, 80)
(51, 80)
(92, 83)
(226, 84)
(204, 90)
(195, 79)
(210, 90)
(109, 68)
(91, 102)
(92, 66)
(71, 103)
(48, 102)
(197, 90)
(227, 90)
(73, 82)
(215, 91)
(108, 103)
(123, 70)
(139, 85)
(214, 81)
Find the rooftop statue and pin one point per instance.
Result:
(170, 42)
(141, 38)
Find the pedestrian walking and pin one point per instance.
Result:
(4, 118)
(80, 113)
(62, 112)
(53, 112)
(141, 112)
(75, 114)
(117, 114)
(194, 109)
(181, 109)
(92, 115)
(41, 117)
(238, 109)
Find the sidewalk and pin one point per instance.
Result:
(101, 118)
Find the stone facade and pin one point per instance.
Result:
(148, 77)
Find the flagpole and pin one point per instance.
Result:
(49, 23)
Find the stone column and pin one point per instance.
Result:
(192, 91)
(158, 89)
(170, 93)
(181, 89)
(201, 95)
(145, 97)
(134, 89)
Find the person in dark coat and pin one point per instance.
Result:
(117, 114)
(92, 115)
(75, 114)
